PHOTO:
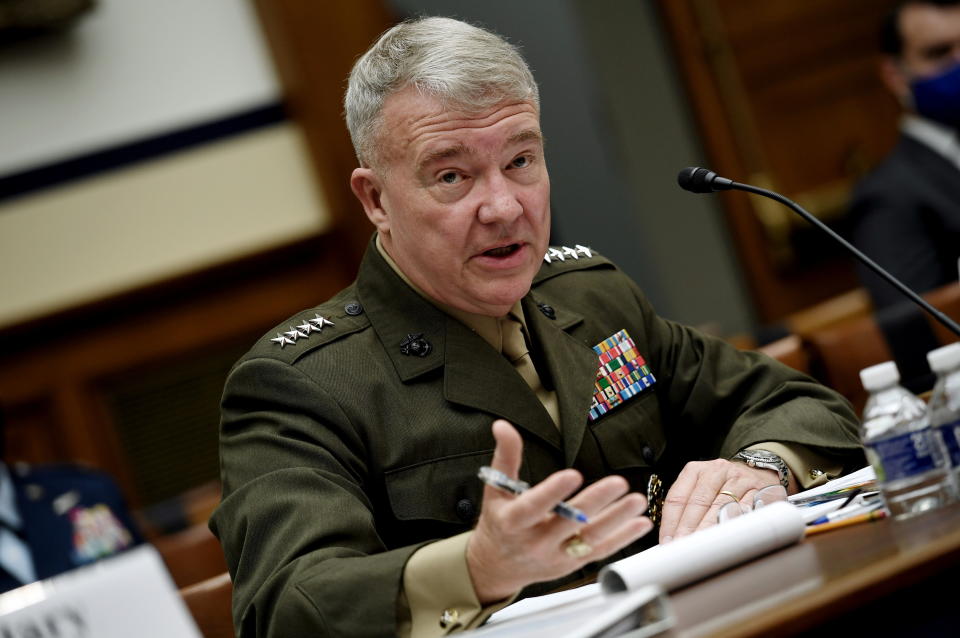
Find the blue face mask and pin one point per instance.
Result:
(938, 97)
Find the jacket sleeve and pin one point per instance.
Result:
(719, 400)
(295, 521)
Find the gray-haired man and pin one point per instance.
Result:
(350, 445)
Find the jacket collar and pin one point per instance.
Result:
(475, 374)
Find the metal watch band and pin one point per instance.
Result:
(766, 460)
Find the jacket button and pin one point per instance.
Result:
(449, 618)
(547, 310)
(465, 510)
(647, 453)
(353, 309)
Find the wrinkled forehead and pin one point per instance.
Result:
(411, 121)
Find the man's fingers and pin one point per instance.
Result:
(508, 453)
(536, 503)
(600, 494)
(625, 534)
(700, 502)
(675, 502)
(613, 517)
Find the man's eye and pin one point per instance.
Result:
(937, 52)
(520, 162)
(450, 178)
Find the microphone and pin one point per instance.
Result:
(701, 180)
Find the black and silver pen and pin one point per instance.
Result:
(499, 480)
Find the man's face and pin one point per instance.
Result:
(931, 44)
(461, 200)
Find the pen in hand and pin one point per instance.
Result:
(499, 480)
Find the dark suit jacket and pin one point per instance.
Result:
(905, 216)
(48, 498)
(340, 455)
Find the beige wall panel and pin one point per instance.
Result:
(136, 226)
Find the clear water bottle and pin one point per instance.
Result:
(945, 405)
(908, 459)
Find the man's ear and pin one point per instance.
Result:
(367, 186)
(896, 80)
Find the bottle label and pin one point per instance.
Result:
(901, 456)
(950, 432)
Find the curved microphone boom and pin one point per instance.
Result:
(702, 180)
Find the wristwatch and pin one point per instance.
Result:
(766, 460)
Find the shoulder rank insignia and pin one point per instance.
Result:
(302, 331)
(563, 252)
(622, 374)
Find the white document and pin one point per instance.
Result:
(583, 613)
(645, 576)
(708, 551)
(127, 595)
(863, 475)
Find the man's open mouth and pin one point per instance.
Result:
(502, 251)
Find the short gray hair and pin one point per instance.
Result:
(464, 66)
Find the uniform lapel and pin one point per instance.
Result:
(572, 367)
(478, 376)
(474, 374)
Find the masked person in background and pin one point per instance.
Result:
(906, 214)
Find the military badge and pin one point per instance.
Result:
(622, 374)
(96, 533)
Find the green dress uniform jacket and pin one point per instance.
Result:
(346, 451)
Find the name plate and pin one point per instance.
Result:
(127, 595)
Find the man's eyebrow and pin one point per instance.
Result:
(526, 135)
(442, 154)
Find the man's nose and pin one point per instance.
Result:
(500, 202)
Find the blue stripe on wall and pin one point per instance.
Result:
(16, 184)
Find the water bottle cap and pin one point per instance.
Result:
(945, 358)
(879, 376)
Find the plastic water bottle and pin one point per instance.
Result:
(907, 457)
(945, 404)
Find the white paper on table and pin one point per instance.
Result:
(538, 604)
(584, 612)
(860, 476)
(708, 551)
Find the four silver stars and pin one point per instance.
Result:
(302, 331)
(565, 251)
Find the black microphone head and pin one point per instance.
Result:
(696, 180)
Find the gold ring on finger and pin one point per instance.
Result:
(576, 547)
(730, 494)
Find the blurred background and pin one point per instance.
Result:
(173, 182)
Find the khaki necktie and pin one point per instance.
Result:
(516, 351)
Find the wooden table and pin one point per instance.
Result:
(882, 578)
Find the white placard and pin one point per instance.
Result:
(128, 595)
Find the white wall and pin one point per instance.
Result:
(129, 69)
(132, 70)
(93, 238)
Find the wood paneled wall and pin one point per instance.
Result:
(788, 97)
(60, 374)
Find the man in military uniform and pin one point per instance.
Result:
(352, 434)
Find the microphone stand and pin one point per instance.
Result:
(869, 263)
